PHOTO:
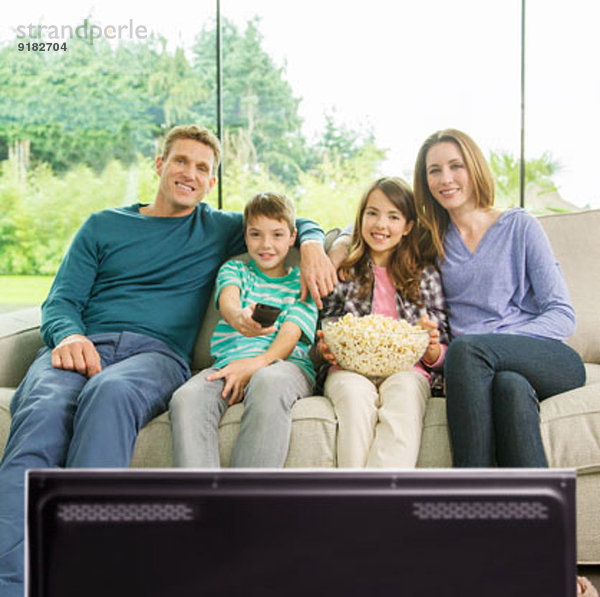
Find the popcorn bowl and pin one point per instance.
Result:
(374, 345)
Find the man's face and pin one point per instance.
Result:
(186, 177)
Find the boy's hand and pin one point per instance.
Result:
(237, 375)
(324, 350)
(77, 353)
(432, 354)
(247, 326)
(317, 273)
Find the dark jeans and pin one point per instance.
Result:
(494, 383)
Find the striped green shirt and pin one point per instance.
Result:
(228, 345)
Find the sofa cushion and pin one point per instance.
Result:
(576, 244)
(21, 340)
(312, 443)
(313, 439)
(571, 424)
(588, 521)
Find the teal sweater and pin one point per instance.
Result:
(129, 272)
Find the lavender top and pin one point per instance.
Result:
(511, 284)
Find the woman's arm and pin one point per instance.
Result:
(556, 318)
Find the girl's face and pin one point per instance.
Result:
(448, 178)
(383, 226)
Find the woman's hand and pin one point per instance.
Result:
(324, 350)
(237, 375)
(432, 354)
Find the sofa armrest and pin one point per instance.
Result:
(20, 340)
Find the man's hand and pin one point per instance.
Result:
(77, 353)
(237, 375)
(242, 321)
(317, 273)
(324, 349)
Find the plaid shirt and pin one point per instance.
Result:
(344, 299)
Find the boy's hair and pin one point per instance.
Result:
(197, 133)
(273, 206)
(404, 265)
(433, 216)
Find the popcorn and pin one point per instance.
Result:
(375, 345)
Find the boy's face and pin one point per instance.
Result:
(268, 243)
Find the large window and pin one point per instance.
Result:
(319, 97)
(563, 103)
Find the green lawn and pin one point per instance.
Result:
(23, 291)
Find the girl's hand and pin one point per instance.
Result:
(247, 326)
(237, 375)
(432, 354)
(324, 350)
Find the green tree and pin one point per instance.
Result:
(506, 169)
(259, 106)
(88, 105)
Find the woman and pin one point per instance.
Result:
(509, 308)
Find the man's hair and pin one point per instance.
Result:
(273, 206)
(197, 133)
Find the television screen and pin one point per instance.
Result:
(147, 533)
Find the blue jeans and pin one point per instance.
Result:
(494, 383)
(62, 418)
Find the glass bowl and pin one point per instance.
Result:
(374, 345)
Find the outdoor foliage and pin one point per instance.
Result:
(79, 131)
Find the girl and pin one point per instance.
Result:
(508, 303)
(380, 420)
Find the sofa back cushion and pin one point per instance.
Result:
(575, 239)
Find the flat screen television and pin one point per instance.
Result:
(148, 533)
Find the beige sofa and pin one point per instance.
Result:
(570, 421)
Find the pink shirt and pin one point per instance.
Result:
(384, 294)
(384, 303)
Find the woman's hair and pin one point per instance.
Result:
(404, 263)
(432, 215)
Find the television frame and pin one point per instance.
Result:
(456, 532)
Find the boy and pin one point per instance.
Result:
(267, 368)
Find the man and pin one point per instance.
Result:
(120, 322)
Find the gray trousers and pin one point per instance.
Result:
(263, 440)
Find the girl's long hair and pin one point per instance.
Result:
(404, 265)
(432, 215)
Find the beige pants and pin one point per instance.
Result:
(378, 427)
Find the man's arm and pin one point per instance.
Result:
(62, 324)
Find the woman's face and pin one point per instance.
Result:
(383, 226)
(448, 178)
